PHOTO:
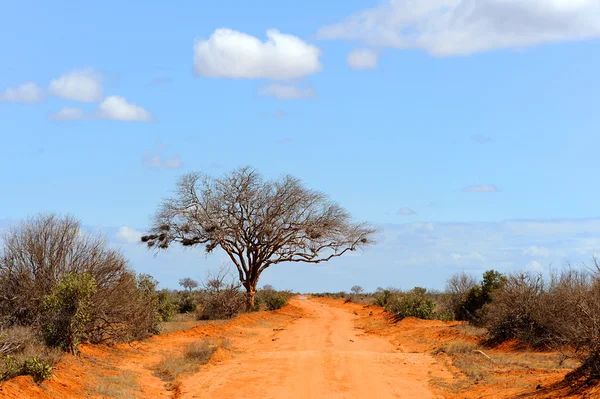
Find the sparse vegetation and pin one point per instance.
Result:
(194, 355)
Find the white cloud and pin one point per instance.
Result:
(406, 212)
(232, 54)
(287, 92)
(471, 258)
(117, 108)
(534, 265)
(461, 27)
(67, 114)
(78, 85)
(362, 59)
(536, 251)
(481, 189)
(157, 159)
(27, 93)
(128, 235)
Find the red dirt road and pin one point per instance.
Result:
(321, 355)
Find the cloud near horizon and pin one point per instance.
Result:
(406, 255)
(463, 27)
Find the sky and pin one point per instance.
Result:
(467, 131)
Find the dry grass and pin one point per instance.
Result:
(472, 331)
(194, 355)
(454, 347)
(123, 386)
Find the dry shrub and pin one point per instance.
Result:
(221, 297)
(43, 250)
(562, 312)
(200, 352)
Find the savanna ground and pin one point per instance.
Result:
(312, 348)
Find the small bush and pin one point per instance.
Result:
(272, 299)
(67, 311)
(465, 299)
(167, 309)
(414, 303)
(200, 352)
(221, 299)
(36, 367)
(384, 297)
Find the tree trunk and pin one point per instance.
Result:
(250, 295)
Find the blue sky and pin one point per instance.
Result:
(440, 114)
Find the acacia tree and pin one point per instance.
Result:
(257, 223)
(188, 283)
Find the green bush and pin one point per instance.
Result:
(470, 306)
(187, 301)
(166, 308)
(38, 368)
(67, 311)
(414, 303)
(384, 297)
(274, 300)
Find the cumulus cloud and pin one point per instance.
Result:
(362, 59)
(481, 189)
(117, 108)
(536, 251)
(67, 114)
(406, 212)
(461, 27)
(287, 92)
(157, 158)
(111, 108)
(83, 85)
(534, 265)
(232, 54)
(128, 235)
(27, 93)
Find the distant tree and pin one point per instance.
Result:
(357, 289)
(257, 223)
(188, 283)
(268, 287)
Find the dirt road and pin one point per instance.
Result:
(310, 349)
(321, 355)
